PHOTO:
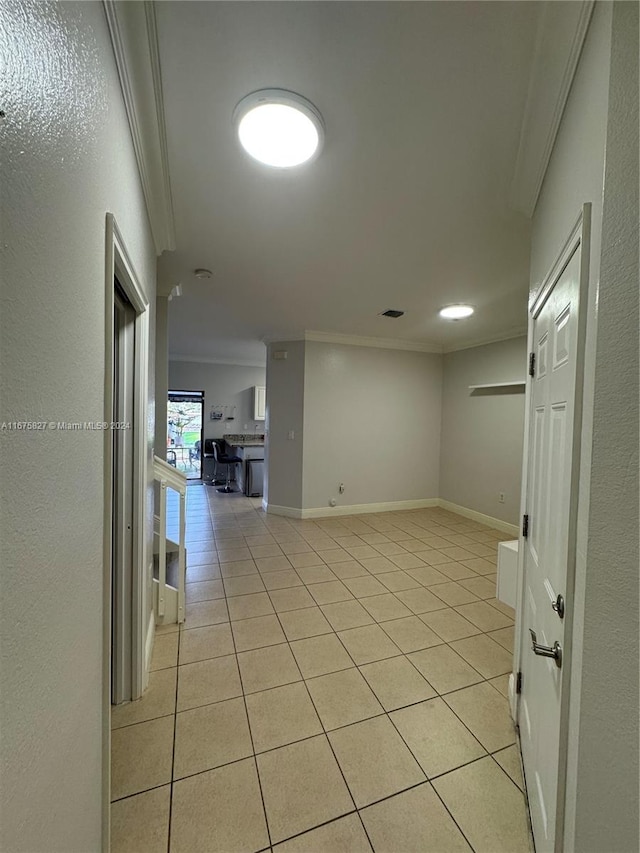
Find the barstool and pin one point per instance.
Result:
(228, 461)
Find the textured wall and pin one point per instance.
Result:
(371, 421)
(483, 432)
(67, 160)
(600, 125)
(607, 801)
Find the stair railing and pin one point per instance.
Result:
(169, 477)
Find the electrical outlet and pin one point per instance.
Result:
(291, 435)
(501, 497)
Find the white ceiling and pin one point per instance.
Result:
(407, 206)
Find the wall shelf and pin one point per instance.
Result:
(518, 384)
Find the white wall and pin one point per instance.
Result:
(483, 431)
(606, 809)
(371, 421)
(67, 160)
(223, 384)
(285, 415)
(602, 781)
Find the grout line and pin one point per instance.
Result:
(237, 516)
(253, 746)
(173, 751)
(326, 735)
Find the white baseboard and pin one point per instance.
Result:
(390, 506)
(481, 518)
(351, 509)
(286, 511)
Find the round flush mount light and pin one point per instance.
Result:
(456, 312)
(279, 128)
(202, 273)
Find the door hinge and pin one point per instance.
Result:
(525, 526)
(519, 682)
(532, 364)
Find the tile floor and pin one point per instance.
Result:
(338, 686)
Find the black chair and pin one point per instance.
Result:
(222, 459)
(171, 458)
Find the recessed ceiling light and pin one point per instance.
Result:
(200, 273)
(456, 312)
(392, 313)
(279, 128)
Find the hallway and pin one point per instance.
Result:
(339, 685)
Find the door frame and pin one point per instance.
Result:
(118, 264)
(202, 402)
(579, 238)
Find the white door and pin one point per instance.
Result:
(551, 500)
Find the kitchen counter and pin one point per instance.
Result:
(242, 440)
(245, 443)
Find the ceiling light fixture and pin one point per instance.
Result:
(201, 273)
(279, 128)
(456, 312)
(392, 312)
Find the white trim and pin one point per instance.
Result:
(480, 517)
(118, 262)
(149, 643)
(518, 332)
(353, 509)
(571, 244)
(134, 37)
(380, 343)
(228, 361)
(354, 340)
(562, 29)
(390, 506)
(286, 511)
(580, 237)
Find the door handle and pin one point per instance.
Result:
(554, 651)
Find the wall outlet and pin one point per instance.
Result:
(500, 497)
(291, 435)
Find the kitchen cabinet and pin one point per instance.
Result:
(259, 402)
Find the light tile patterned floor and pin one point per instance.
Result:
(339, 685)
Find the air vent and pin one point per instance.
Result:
(392, 313)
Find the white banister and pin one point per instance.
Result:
(169, 478)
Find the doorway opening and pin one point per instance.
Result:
(185, 422)
(122, 484)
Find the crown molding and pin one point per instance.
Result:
(380, 343)
(562, 28)
(517, 332)
(134, 37)
(231, 362)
